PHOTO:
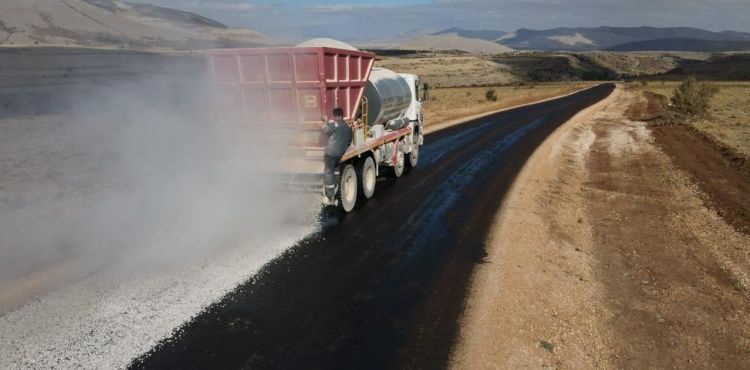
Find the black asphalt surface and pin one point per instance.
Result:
(385, 286)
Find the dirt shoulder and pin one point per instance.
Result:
(607, 256)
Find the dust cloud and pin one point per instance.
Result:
(153, 179)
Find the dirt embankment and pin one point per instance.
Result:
(720, 170)
(607, 256)
(723, 176)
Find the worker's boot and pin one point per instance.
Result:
(329, 192)
(326, 201)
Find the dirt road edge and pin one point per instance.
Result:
(477, 347)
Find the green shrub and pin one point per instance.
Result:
(693, 98)
(490, 95)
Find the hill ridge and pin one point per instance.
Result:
(114, 23)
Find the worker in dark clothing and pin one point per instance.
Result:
(339, 138)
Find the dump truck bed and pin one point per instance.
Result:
(280, 96)
(289, 90)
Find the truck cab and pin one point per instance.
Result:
(416, 105)
(414, 112)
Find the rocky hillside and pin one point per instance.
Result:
(112, 23)
(684, 44)
(600, 38)
(612, 38)
(488, 35)
(452, 41)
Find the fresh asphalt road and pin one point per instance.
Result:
(385, 286)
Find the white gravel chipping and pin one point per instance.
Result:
(106, 321)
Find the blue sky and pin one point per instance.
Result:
(374, 19)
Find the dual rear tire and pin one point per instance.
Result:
(367, 177)
(347, 195)
(357, 182)
(360, 182)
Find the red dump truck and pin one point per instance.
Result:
(288, 92)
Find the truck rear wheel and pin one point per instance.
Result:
(367, 177)
(413, 156)
(398, 168)
(348, 189)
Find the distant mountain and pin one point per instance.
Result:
(389, 42)
(452, 41)
(738, 35)
(113, 23)
(683, 44)
(158, 12)
(600, 38)
(484, 34)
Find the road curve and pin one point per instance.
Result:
(385, 286)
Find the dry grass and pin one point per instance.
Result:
(633, 64)
(451, 103)
(444, 70)
(729, 120)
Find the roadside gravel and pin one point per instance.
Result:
(606, 256)
(107, 319)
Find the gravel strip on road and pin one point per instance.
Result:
(106, 320)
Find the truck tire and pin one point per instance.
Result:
(347, 195)
(367, 177)
(413, 157)
(398, 168)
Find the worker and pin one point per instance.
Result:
(339, 138)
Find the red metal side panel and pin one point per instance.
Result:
(291, 89)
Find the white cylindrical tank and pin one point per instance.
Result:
(388, 96)
(326, 43)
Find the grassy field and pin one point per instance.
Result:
(443, 70)
(451, 103)
(730, 112)
(462, 70)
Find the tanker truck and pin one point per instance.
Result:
(288, 94)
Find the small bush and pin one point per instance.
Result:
(693, 98)
(490, 95)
